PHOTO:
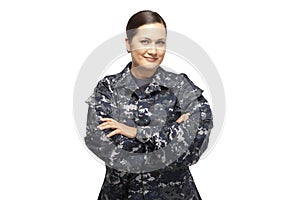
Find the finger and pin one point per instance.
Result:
(179, 120)
(117, 131)
(185, 117)
(112, 126)
(107, 119)
(104, 124)
(107, 123)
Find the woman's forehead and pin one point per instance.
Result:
(152, 31)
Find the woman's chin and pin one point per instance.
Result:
(150, 65)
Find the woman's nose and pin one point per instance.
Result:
(152, 50)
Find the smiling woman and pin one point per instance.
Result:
(148, 48)
(147, 124)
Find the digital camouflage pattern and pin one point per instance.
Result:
(155, 164)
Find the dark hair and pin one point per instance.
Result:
(141, 18)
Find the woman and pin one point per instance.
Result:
(147, 124)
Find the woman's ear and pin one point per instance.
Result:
(127, 45)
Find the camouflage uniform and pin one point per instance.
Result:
(155, 164)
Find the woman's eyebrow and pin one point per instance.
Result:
(145, 38)
(152, 39)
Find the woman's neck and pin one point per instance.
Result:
(140, 72)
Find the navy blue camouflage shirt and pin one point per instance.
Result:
(155, 164)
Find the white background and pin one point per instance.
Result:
(254, 44)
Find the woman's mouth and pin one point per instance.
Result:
(151, 59)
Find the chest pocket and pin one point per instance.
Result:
(157, 109)
(154, 109)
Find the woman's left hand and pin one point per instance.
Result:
(120, 128)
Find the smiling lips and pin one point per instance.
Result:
(151, 59)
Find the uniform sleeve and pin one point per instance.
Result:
(101, 105)
(186, 140)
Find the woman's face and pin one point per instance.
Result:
(148, 46)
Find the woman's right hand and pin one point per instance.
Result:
(183, 118)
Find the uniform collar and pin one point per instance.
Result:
(126, 80)
(160, 79)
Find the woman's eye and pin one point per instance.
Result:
(161, 43)
(145, 42)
